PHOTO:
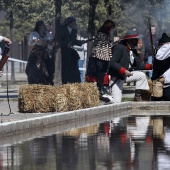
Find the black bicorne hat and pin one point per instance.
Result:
(164, 39)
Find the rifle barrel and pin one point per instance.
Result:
(151, 39)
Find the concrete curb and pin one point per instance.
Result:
(53, 123)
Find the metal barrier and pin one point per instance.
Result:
(19, 70)
(15, 70)
(16, 60)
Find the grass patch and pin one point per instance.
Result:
(127, 99)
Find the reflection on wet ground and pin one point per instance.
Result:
(128, 143)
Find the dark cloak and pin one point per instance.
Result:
(43, 74)
(70, 57)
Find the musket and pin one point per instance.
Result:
(5, 57)
(151, 39)
(91, 39)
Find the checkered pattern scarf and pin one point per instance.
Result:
(101, 47)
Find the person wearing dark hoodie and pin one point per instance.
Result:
(161, 66)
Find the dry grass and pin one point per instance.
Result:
(68, 97)
(36, 98)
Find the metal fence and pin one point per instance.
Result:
(14, 70)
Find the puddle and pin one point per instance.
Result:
(121, 143)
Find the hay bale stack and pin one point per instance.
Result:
(74, 97)
(89, 94)
(84, 94)
(43, 98)
(62, 103)
(93, 92)
(36, 98)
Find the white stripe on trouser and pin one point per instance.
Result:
(116, 90)
(138, 77)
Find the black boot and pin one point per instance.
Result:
(138, 97)
(146, 95)
(104, 95)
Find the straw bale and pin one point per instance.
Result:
(89, 94)
(74, 97)
(43, 98)
(84, 95)
(89, 130)
(62, 103)
(36, 98)
(93, 91)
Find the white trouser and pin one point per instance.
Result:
(117, 89)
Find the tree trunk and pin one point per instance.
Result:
(91, 27)
(57, 48)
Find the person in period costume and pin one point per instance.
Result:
(139, 48)
(161, 65)
(70, 57)
(8, 42)
(5, 39)
(98, 64)
(123, 69)
(40, 66)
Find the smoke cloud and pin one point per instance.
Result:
(138, 13)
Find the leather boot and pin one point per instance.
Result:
(138, 97)
(146, 95)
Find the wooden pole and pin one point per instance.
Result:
(91, 27)
(57, 48)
